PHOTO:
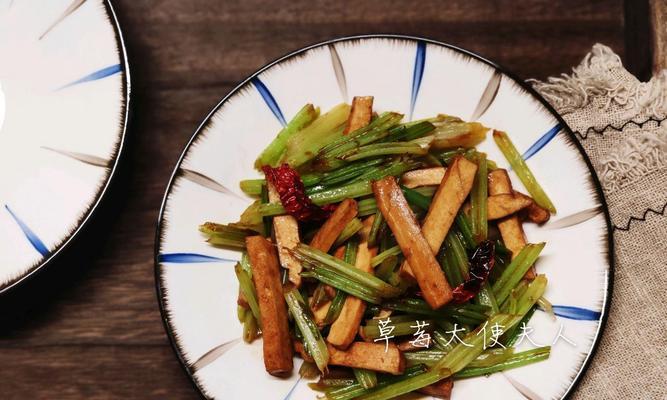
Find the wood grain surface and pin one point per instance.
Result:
(89, 326)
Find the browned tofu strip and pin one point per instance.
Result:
(423, 177)
(286, 229)
(536, 214)
(441, 390)
(345, 328)
(319, 313)
(449, 197)
(502, 205)
(510, 227)
(360, 114)
(277, 344)
(414, 245)
(373, 356)
(334, 225)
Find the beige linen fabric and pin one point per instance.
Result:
(619, 122)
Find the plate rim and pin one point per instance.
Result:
(92, 210)
(599, 193)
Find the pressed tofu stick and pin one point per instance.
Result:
(334, 225)
(277, 344)
(286, 229)
(441, 390)
(360, 115)
(502, 205)
(372, 356)
(413, 244)
(535, 213)
(345, 328)
(452, 192)
(423, 177)
(320, 313)
(510, 227)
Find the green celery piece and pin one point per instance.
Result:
(475, 343)
(368, 379)
(350, 230)
(515, 361)
(312, 338)
(303, 145)
(392, 251)
(274, 151)
(376, 227)
(250, 325)
(515, 271)
(521, 168)
(314, 256)
(348, 392)
(383, 149)
(341, 282)
(416, 199)
(248, 290)
(376, 130)
(407, 385)
(478, 197)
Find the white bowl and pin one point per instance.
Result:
(197, 287)
(64, 100)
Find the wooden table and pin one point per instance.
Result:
(89, 326)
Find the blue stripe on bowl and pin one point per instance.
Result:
(190, 258)
(289, 394)
(269, 99)
(577, 313)
(97, 75)
(541, 142)
(417, 74)
(34, 240)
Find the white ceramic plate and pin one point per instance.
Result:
(196, 283)
(64, 97)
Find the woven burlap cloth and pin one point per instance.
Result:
(619, 122)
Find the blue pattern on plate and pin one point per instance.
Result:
(417, 74)
(269, 99)
(97, 75)
(541, 142)
(189, 258)
(577, 313)
(289, 394)
(34, 240)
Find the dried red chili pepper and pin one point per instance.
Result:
(293, 195)
(481, 264)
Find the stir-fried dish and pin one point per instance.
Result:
(390, 256)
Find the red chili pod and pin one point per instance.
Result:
(293, 195)
(481, 264)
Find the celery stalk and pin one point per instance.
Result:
(478, 197)
(303, 145)
(312, 339)
(515, 271)
(274, 151)
(521, 168)
(248, 290)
